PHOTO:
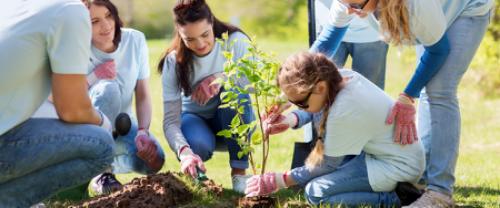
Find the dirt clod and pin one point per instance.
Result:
(257, 201)
(160, 190)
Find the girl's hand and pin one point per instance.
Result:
(266, 184)
(147, 150)
(278, 123)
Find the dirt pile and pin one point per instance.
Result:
(257, 201)
(160, 190)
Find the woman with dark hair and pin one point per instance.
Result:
(192, 116)
(119, 70)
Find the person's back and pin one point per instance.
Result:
(45, 46)
(29, 43)
(356, 123)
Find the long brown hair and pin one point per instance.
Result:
(114, 13)
(185, 12)
(395, 21)
(300, 73)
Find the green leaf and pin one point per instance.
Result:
(242, 129)
(225, 133)
(256, 138)
(235, 122)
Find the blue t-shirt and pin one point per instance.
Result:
(132, 64)
(38, 38)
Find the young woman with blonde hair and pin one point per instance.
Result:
(448, 33)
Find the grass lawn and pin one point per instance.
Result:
(478, 169)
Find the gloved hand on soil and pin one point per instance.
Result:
(403, 113)
(147, 150)
(189, 162)
(268, 183)
(104, 71)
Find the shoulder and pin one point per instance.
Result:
(238, 38)
(133, 35)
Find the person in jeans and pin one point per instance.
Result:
(192, 116)
(446, 47)
(44, 47)
(119, 69)
(366, 49)
(354, 161)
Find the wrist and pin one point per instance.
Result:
(292, 120)
(280, 179)
(405, 98)
(184, 152)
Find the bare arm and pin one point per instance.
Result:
(69, 92)
(143, 103)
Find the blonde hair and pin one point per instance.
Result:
(300, 73)
(395, 21)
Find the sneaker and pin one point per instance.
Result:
(103, 184)
(39, 205)
(240, 183)
(433, 199)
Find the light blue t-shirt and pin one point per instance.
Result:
(429, 19)
(38, 38)
(356, 123)
(207, 65)
(132, 64)
(360, 30)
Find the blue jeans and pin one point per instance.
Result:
(439, 113)
(368, 59)
(200, 132)
(348, 185)
(43, 156)
(106, 97)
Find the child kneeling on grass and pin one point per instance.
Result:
(355, 160)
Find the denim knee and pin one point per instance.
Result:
(106, 96)
(308, 194)
(202, 149)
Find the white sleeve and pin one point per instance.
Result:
(427, 20)
(338, 15)
(68, 40)
(171, 90)
(144, 72)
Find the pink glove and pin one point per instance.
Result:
(189, 162)
(277, 123)
(147, 150)
(266, 184)
(106, 70)
(206, 89)
(404, 113)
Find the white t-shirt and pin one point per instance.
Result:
(207, 65)
(132, 64)
(356, 122)
(38, 38)
(429, 19)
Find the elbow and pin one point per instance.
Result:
(72, 115)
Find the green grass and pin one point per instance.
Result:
(477, 174)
